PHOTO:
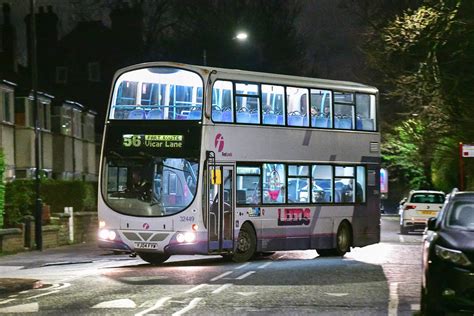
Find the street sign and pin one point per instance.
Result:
(467, 151)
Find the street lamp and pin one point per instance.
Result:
(34, 86)
(241, 36)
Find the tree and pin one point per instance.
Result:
(421, 55)
(209, 26)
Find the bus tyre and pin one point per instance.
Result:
(343, 242)
(403, 230)
(153, 258)
(246, 244)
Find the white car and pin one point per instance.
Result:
(418, 208)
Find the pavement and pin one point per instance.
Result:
(70, 254)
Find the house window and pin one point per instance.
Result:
(93, 71)
(8, 106)
(61, 74)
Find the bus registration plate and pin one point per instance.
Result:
(145, 245)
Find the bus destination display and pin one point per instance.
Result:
(153, 141)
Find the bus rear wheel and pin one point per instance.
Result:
(246, 244)
(343, 242)
(153, 258)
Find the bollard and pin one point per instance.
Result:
(69, 210)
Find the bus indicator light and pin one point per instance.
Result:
(194, 227)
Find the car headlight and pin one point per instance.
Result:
(453, 256)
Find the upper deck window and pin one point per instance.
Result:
(273, 105)
(297, 106)
(159, 93)
(344, 110)
(365, 112)
(247, 103)
(321, 108)
(222, 103)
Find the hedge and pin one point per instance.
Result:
(20, 197)
(2, 187)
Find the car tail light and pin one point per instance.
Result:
(409, 207)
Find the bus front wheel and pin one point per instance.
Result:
(153, 258)
(246, 244)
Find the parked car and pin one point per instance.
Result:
(419, 206)
(448, 257)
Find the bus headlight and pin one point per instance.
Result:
(180, 238)
(189, 236)
(107, 234)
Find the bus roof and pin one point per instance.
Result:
(246, 75)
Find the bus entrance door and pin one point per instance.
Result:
(221, 205)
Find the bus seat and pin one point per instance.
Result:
(181, 116)
(155, 115)
(227, 116)
(243, 117)
(216, 116)
(280, 120)
(136, 115)
(254, 118)
(343, 123)
(359, 123)
(270, 119)
(320, 122)
(295, 120)
(305, 120)
(194, 115)
(241, 197)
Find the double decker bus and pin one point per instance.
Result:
(203, 160)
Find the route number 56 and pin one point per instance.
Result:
(132, 140)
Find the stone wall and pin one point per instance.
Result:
(54, 235)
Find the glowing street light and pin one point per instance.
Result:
(241, 36)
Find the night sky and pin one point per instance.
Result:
(330, 33)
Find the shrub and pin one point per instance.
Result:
(2, 188)
(20, 197)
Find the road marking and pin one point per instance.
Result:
(244, 265)
(220, 276)
(7, 301)
(221, 288)
(121, 303)
(243, 276)
(246, 293)
(401, 238)
(337, 294)
(158, 304)
(393, 299)
(24, 308)
(190, 306)
(44, 294)
(194, 289)
(263, 266)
